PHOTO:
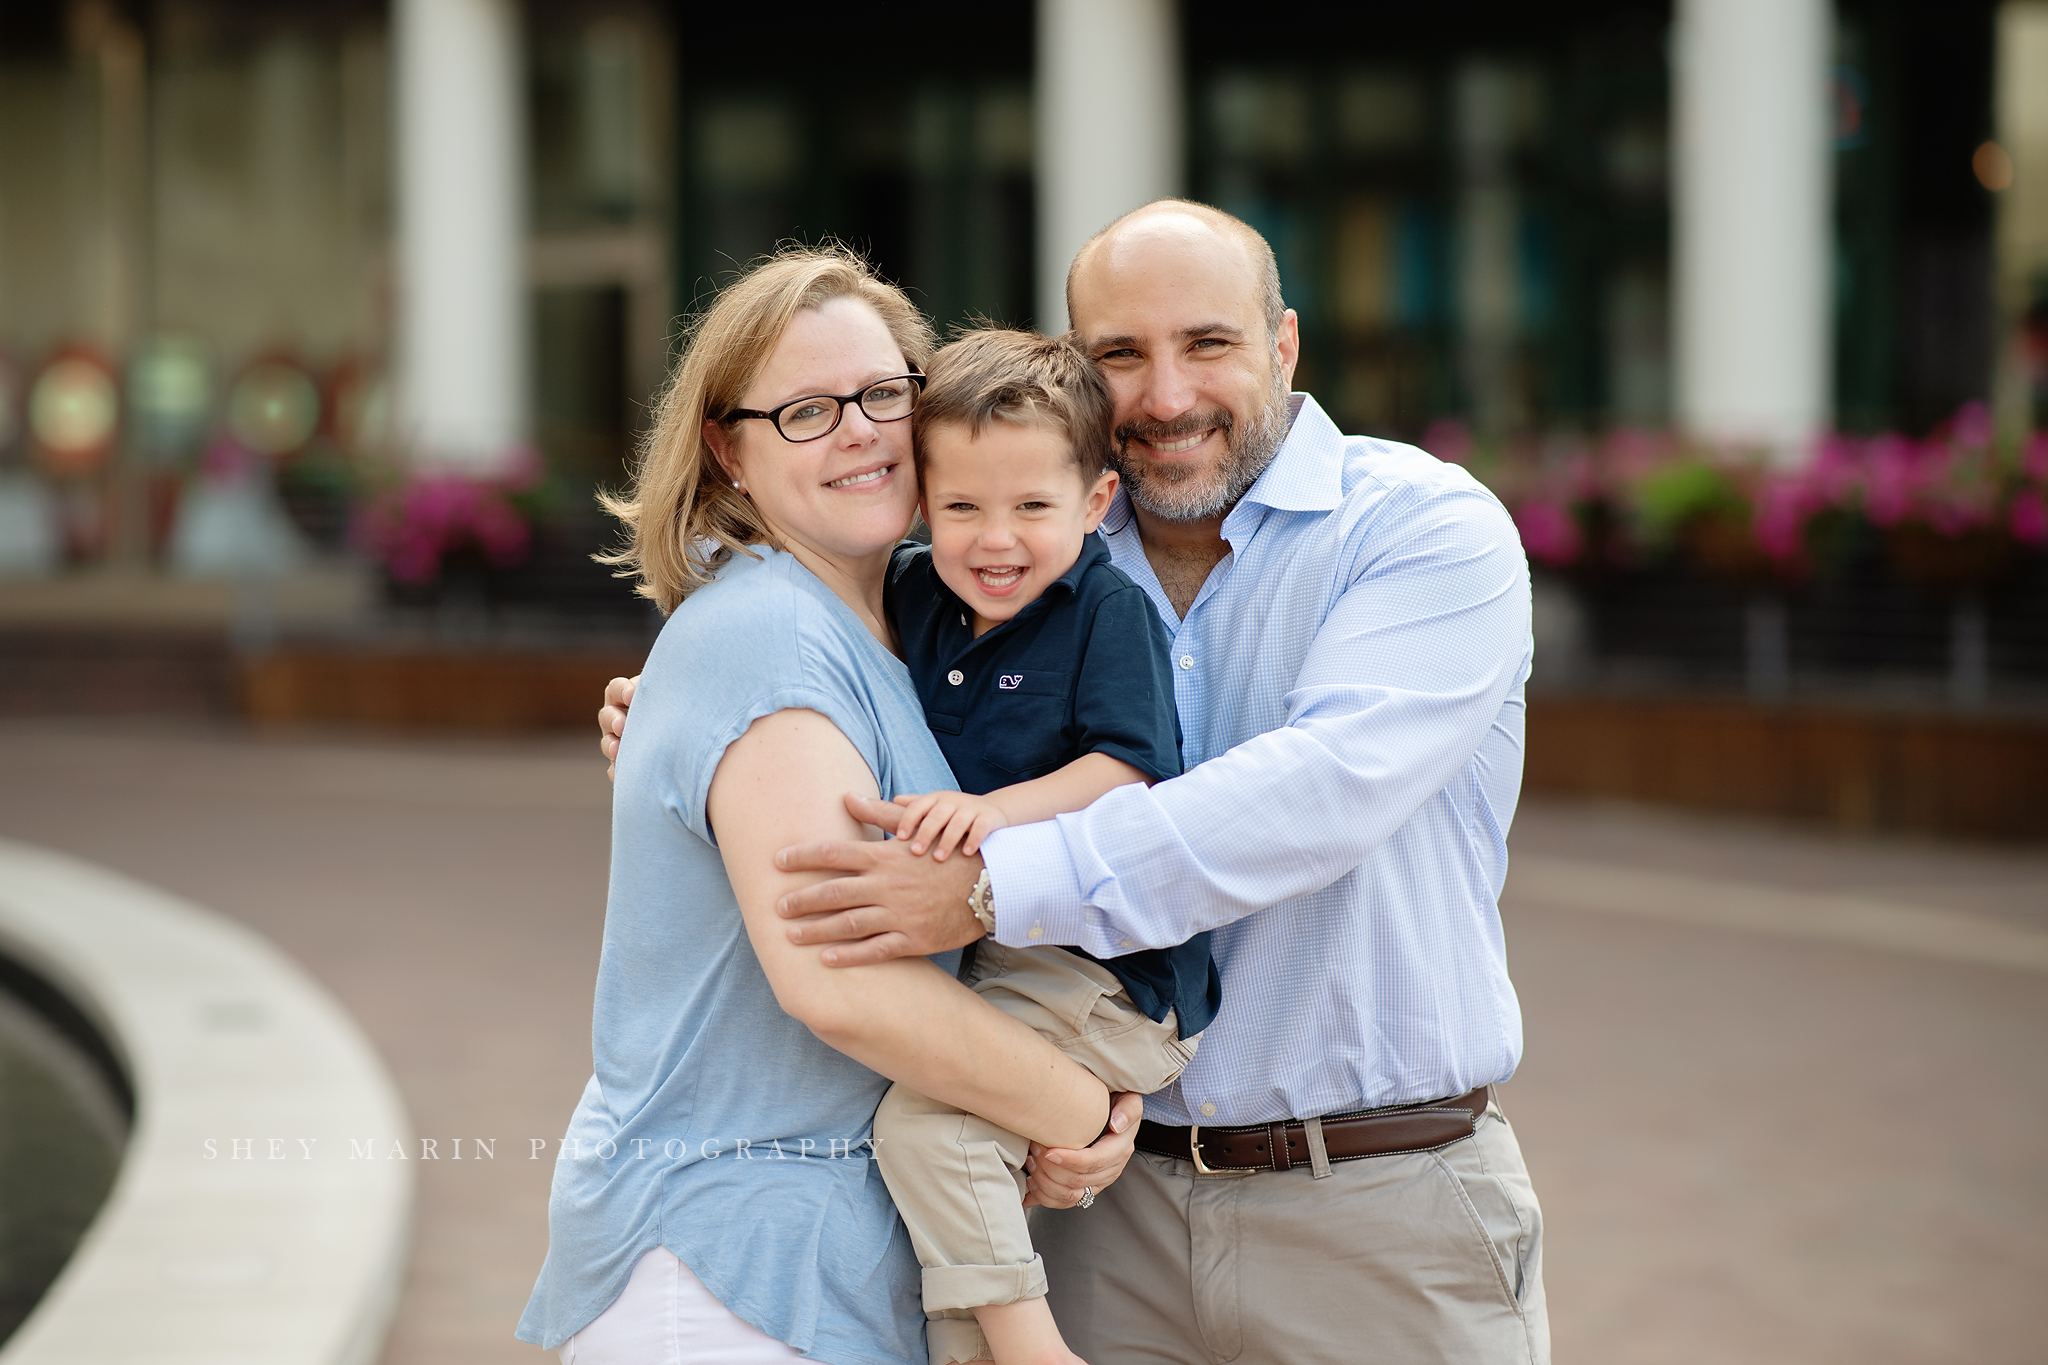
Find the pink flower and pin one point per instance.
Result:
(500, 533)
(413, 529)
(1784, 503)
(1631, 453)
(1581, 475)
(2029, 519)
(1549, 531)
(1892, 477)
(2034, 463)
(1448, 440)
(1971, 426)
(1837, 470)
(226, 462)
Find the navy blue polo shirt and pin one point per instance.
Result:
(1084, 669)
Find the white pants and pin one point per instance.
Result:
(665, 1316)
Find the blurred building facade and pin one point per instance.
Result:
(324, 243)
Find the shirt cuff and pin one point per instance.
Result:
(1037, 891)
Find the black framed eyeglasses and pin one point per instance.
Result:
(809, 419)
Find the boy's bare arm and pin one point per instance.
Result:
(943, 821)
(1073, 787)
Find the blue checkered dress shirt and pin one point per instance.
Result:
(1350, 690)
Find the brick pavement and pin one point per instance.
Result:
(1759, 1149)
(1750, 1148)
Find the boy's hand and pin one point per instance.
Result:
(944, 821)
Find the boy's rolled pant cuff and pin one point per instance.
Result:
(955, 1341)
(978, 1286)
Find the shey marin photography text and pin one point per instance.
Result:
(565, 1149)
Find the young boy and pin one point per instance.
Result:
(1045, 679)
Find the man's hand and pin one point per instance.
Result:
(1059, 1176)
(611, 721)
(891, 903)
(944, 821)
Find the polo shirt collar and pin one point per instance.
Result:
(1092, 549)
(1307, 475)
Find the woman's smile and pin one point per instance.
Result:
(869, 474)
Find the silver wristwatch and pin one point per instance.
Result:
(982, 901)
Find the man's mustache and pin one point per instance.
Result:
(1188, 424)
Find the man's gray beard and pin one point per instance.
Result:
(1180, 493)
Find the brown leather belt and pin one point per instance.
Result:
(1287, 1143)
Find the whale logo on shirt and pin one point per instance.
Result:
(1010, 682)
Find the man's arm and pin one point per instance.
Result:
(1400, 685)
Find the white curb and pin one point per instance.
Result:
(259, 1252)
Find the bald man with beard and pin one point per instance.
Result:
(1331, 1179)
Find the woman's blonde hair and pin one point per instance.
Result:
(683, 514)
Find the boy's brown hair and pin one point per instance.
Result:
(999, 375)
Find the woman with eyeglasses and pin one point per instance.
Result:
(714, 1198)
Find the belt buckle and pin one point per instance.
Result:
(1195, 1154)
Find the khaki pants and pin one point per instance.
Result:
(1430, 1257)
(958, 1180)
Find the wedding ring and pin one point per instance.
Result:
(1087, 1197)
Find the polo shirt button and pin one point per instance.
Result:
(956, 677)
(1187, 661)
(1208, 1111)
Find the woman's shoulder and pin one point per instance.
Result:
(749, 581)
(767, 633)
(754, 641)
(760, 612)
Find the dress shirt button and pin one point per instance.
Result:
(956, 677)
(1127, 944)
(1187, 661)
(1208, 1111)
(1036, 932)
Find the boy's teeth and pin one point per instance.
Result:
(852, 479)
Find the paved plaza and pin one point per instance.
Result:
(1785, 1095)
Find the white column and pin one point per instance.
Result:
(2017, 168)
(1109, 125)
(1750, 223)
(1483, 123)
(461, 376)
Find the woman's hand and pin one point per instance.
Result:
(611, 721)
(1060, 1176)
(944, 821)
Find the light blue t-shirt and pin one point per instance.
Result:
(793, 1231)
